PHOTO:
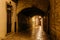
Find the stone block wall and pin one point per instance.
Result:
(55, 19)
(41, 4)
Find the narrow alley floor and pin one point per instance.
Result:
(18, 36)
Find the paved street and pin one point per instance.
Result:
(41, 35)
(19, 37)
(16, 37)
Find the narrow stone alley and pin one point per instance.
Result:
(18, 36)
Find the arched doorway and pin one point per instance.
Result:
(24, 19)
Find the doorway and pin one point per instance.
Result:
(9, 7)
(8, 22)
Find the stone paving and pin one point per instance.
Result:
(17, 36)
(40, 35)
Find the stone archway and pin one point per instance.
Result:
(24, 16)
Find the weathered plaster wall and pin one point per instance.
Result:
(3, 18)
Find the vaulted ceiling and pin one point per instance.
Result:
(41, 4)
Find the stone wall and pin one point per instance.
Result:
(41, 4)
(55, 19)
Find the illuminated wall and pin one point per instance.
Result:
(3, 17)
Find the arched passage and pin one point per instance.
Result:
(24, 22)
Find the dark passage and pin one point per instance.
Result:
(24, 26)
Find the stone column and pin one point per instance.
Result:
(13, 16)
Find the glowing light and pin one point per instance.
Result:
(33, 18)
(37, 27)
